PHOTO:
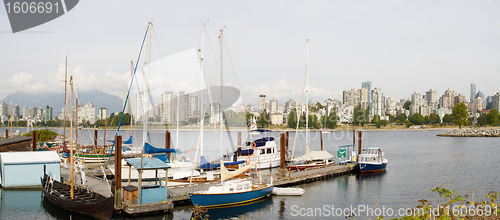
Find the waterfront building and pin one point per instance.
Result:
(194, 107)
(262, 102)
(447, 101)
(430, 96)
(368, 86)
(459, 99)
(276, 118)
(103, 113)
(86, 113)
(15, 111)
(477, 105)
(479, 94)
(4, 109)
(48, 113)
(183, 106)
(377, 103)
(472, 92)
(495, 101)
(169, 102)
(215, 112)
(273, 106)
(416, 103)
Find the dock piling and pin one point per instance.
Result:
(167, 142)
(359, 142)
(321, 136)
(6, 133)
(118, 171)
(34, 140)
(95, 138)
(282, 155)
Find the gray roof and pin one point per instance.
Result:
(14, 140)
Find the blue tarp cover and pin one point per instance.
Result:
(149, 149)
(148, 163)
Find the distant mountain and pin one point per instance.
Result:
(56, 100)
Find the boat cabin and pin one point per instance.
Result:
(371, 155)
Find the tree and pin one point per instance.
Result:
(249, 117)
(482, 120)
(292, 118)
(427, 120)
(376, 119)
(407, 105)
(435, 118)
(417, 119)
(360, 116)
(447, 118)
(460, 114)
(493, 117)
(263, 120)
(312, 121)
(392, 118)
(333, 118)
(383, 123)
(401, 118)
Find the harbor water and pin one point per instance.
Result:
(418, 161)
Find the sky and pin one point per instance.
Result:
(401, 46)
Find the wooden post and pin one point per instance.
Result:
(118, 172)
(282, 155)
(239, 138)
(6, 133)
(287, 136)
(359, 142)
(34, 140)
(95, 138)
(167, 142)
(353, 137)
(321, 136)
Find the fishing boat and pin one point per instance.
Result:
(311, 159)
(76, 200)
(288, 191)
(231, 191)
(372, 160)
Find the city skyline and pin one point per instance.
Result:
(389, 44)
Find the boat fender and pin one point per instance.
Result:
(99, 151)
(253, 144)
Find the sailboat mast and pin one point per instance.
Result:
(145, 126)
(202, 108)
(64, 112)
(221, 109)
(307, 94)
(131, 95)
(71, 139)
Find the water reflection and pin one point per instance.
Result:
(241, 211)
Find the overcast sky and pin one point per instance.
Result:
(401, 46)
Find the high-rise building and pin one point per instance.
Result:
(448, 99)
(168, 102)
(377, 103)
(363, 97)
(48, 113)
(86, 113)
(430, 96)
(193, 107)
(273, 105)
(15, 111)
(495, 101)
(472, 92)
(416, 103)
(4, 109)
(128, 109)
(368, 86)
(183, 106)
(477, 105)
(459, 99)
(103, 113)
(262, 102)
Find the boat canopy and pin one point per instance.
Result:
(147, 163)
(262, 130)
(129, 141)
(204, 164)
(149, 149)
(260, 142)
(314, 155)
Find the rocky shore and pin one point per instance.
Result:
(472, 132)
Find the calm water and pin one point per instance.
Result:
(418, 161)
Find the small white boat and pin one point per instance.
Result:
(280, 191)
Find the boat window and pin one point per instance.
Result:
(231, 189)
(269, 150)
(262, 151)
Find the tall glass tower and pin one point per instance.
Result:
(472, 92)
(368, 86)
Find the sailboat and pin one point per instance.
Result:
(311, 159)
(77, 200)
(230, 191)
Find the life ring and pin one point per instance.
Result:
(99, 151)
(253, 144)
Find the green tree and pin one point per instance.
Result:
(460, 114)
(376, 119)
(360, 116)
(401, 118)
(447, 118)
(312, 121)
(249, 117)
(292, 118)
(493, 117)
(435, 118)
(392, 118)
(332, 120)
(482, 120)
(383, 123)
(263, 120)
(407, 105)
(417, 119)
(427, 120)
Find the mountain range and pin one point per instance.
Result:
(56, 100)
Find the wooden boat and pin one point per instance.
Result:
(281, 191)
(84, 202)
(310, 165)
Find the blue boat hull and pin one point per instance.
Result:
(227, 199)
(369, 167)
